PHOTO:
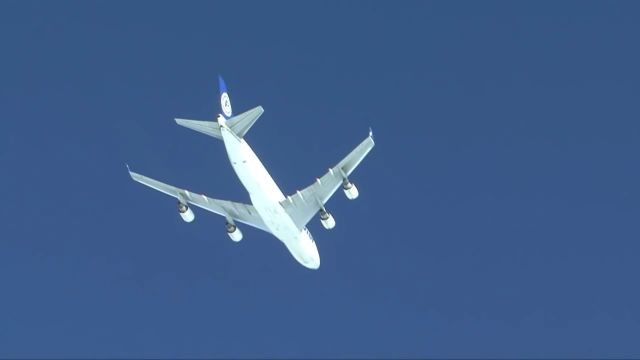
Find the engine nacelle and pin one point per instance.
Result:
(185, 212)
(327, 220)
(234, 233)
(350, 190)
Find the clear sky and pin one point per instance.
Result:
(499, 213)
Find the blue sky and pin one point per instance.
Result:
(499, 210)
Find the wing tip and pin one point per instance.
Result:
(134, 175)
(131, 173)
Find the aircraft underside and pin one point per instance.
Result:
(270, 210)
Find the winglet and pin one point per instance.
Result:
(225, 102)
(131, 173)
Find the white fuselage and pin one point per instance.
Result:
(266, 197)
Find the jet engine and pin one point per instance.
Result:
(234, 233)
(185, 213)
(350, 189)
(327, 219)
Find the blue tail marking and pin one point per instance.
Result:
(225, 102)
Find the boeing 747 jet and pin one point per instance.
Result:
(285, 217)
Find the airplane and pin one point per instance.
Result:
(285, 217)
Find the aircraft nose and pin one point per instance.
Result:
(314, 260)
(314, 264)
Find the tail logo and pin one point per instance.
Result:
(225, 103)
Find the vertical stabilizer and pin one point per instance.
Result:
(225, 102)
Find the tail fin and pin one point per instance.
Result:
(225, 102)
(239, 124)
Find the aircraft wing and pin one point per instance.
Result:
(243, 213)
(305, 204)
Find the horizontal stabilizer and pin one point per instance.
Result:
(210, 128)
(239, 124)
